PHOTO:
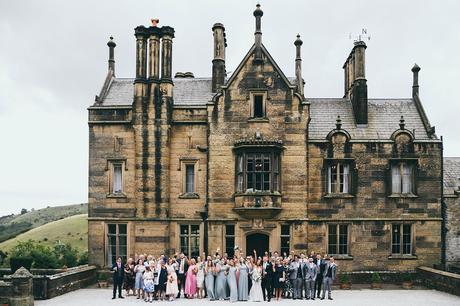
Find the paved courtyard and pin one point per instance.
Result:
(364, 297)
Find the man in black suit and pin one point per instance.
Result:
(267, 279)
(321, 266)
(182, 267)
(118, 275)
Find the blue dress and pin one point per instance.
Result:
(243, 283)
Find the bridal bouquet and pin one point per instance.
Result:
(256, 277)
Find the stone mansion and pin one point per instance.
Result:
(181, 163)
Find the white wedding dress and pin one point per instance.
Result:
(256, 295)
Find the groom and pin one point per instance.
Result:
(267, 278)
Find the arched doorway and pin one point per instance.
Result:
(258, 242)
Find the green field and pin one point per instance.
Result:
(13, 225)
(73, 230)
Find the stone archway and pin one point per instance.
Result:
(259, 242)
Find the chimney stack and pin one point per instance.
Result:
(112, 46)
(166, 53)
(218, 62)
(141, 34)
(356, 83)
(415, 71)
(298, 66)
(154, 50)
(258, 13)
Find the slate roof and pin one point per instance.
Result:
(384, 114)
(187, 91)
(383, 118)
(451, 174)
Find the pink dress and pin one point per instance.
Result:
(190, 281)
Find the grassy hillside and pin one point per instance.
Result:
(73, 230)
(13, 225)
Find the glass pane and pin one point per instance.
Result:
(285, 245)
(184, 229)
(258, 162)
(239, 183)
(122, 228)
(250, 163)
(395, 179)
(230, 245)
(407, 249)
(122, 240)
(230, 230)
(343, 239)
(276, 163)
(275, 182)
(195, 246)
(266, 182)
(332, 239)
(406, 178)
(117, 179)
(258, 181)
(112, 229)
(189, 178)
(184, 244)
(266, 163)
(250, 181)
(395, 239)
(285, 230)
(334, 178)
(195, 229)
(258, 106)
(239, 164)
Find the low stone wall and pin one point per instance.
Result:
(17, 291)
(365, 277)
(7, 271)
(439, 280)
(49, 286)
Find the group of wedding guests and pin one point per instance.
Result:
(223, 277)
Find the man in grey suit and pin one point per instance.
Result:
(328, 278)
(295, 276)
(310, 272)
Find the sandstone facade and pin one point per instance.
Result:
(196, 164)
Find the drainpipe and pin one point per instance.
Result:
(443, 211)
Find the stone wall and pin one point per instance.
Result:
(439, 280)
(452, 203)
(16, 289)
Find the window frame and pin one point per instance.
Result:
(337, 252)
(252, 101)
(274, 172)
(230, 250)
(117, 235)
(401, 239)
(184, 163)
(189, 251)
(288, 236)
(110, 167)
(413, 164)
(327, 181)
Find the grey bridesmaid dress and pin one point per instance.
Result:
(221, 283)
(209, 282)
(231, 279)
(243, 283)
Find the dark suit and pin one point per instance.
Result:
(181, 274)
(321, 266)
(118, 275)
(267, 281)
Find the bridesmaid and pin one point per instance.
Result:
(221, 280)
(129, 277)
(243, 269)
(200, 278)
(190, 281)
(209, 278)
(231, 279)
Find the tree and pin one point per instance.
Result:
(23, 211)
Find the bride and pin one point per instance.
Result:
(255, 295)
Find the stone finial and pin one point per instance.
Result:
(338, 123)
(298, 41)
(402, 123)
(155, 22)
(258, 13)
(415, 87)
(111, 44)
(22, 273)
(416, 68)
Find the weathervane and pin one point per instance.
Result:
(363, 36)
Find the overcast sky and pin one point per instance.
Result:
(53, 60)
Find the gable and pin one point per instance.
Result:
(272, 73)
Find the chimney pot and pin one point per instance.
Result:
(111, 44)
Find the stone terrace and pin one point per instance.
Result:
(364, 297)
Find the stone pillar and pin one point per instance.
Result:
(298, 65)
(154, 53)
(141, 34)
(23, 295)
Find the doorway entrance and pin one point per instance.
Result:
(258, 242)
